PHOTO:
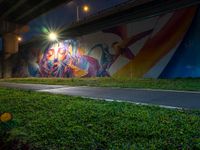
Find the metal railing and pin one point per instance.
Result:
(110, 10)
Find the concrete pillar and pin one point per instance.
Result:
(10, 32)
(10, 43)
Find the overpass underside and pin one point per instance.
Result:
(146, 38)
(14, 17)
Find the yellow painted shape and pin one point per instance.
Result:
(5, 117)
(149, 56)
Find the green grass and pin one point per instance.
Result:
(45, 121)
(171, 84)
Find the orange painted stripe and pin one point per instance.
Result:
(159, 45)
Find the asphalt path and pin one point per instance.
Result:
(165, 98)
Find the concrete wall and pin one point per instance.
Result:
(165, 46)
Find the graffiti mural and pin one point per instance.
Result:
(164, 46)
(64, 59)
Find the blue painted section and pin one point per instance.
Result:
(186, 60)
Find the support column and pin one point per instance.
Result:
(10, 43)
(10, 32)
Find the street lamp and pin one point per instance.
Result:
(77, 13)
(19, 39)
(53, 36)
(85, 9)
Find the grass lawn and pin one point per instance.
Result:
(192, 84)
(45, 121)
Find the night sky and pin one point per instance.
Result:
(64, 15)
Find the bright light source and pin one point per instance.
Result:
(53, 36)
(19, 38)
(86, 8)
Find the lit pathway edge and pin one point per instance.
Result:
(163, 98)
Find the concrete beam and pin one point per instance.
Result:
(12, 9)
(40, 8)
(33, 9)
(6, 27)
(1, 1)
(121, 15)
(9, 27)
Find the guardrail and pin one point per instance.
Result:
(111, 10)
(122, 13)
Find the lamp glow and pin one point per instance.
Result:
(19, 38)
(86, 8)
(53, 36)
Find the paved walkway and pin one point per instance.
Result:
(167, 98)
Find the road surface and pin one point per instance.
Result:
(180, 99)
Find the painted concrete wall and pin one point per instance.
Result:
(165, 46)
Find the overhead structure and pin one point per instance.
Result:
(23, 11)
(127, 12)
(14, 16)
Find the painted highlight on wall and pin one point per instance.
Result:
(164, 46)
